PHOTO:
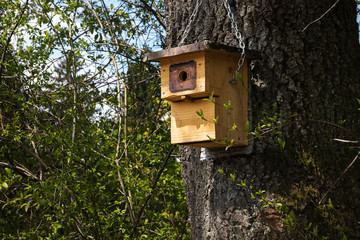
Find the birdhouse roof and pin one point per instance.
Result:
(196, 47)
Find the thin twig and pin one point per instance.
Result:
(122, 184)
(156, 13)
(42, 162)
(158, 31)
(170, 217)
(332, 124)
(119, 44)
(347, 168)
(344, 140)
(153, 187)
(11, 34)
(22, 170)
(77, 223)
(318, 19)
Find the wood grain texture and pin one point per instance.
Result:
(214, 70)
(201, 89)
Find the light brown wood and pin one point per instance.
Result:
(186, 98)
(214, 70)
(186, 127)
(201, 89)
(237, 94)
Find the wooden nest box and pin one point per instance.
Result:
(193, 72)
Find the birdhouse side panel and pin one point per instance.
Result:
(233, 117)
(220, 69)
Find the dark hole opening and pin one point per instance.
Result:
(182, 76)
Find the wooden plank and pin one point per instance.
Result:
(207, 144)
(222, 71)
(186, 127)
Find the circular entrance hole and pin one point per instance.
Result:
(182, 76)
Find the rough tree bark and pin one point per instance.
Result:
(311, 73)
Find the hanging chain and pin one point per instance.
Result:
(192, 18)
(233, 25)
(238, 36)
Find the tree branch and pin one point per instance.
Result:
(156, 13)
(347, 168)
(21, 170)
(153, 187)
(37, 157)
(9, 38)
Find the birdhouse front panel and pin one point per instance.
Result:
(183, 75)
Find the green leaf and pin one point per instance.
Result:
(210, 138)
(231, 144)
(221, 171)
(239, 77)
(243, 183)
(257, 133)
(228, 105)
(341, 122)
(292, 215)
(8, 172)
(315, 231)
(5, 185)
(260, 192)
(234, 128)
(215, 120)
(138, 137)
(27, 207)
(201, 114)
(330, 205)
(308, 227)
(247, 127)
(282, 143)
(275, 106)
(211, 97)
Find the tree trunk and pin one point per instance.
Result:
(311, 73)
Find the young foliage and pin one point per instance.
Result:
(84, 140)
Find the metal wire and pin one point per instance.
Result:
(233, 25)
